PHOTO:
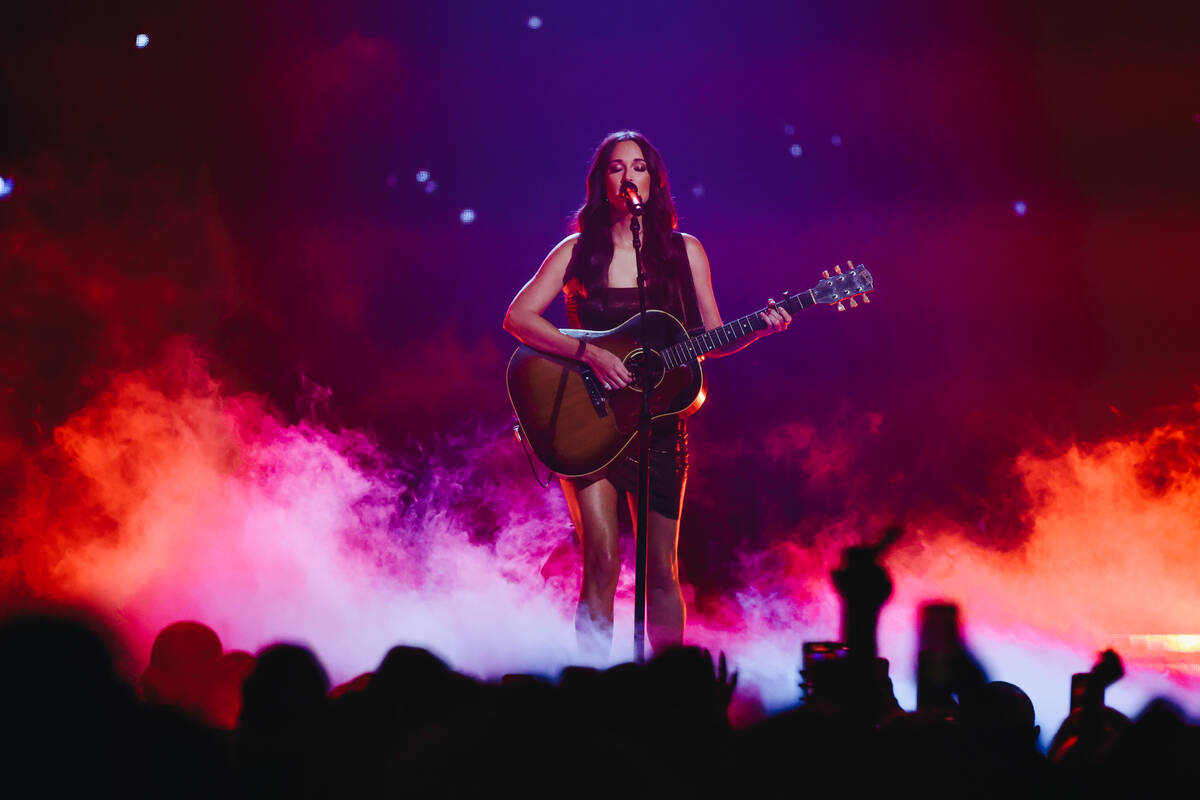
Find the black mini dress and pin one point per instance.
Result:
(605, 308)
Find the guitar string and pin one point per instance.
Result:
(696, 346)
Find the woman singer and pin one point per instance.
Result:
(596, 270)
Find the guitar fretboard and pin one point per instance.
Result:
(693, 347)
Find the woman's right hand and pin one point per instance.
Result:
(608, 368)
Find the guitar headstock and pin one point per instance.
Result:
(842, 286)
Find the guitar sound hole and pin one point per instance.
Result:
(633, 363)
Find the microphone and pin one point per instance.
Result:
(632, 198)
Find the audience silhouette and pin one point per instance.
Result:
(200, 722)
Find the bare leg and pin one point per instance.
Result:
(665, 613)
(594, 512)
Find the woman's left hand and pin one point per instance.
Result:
(776, 317)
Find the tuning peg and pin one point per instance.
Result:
(841, 307)
(825, 273)
(852, 303)
(838, 269)
(850, 264)
(866, 298)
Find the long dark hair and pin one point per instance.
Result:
(662, 252)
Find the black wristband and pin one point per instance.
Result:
(579, 352)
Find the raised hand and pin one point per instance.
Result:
(724, 683)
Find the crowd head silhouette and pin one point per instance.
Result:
(200, 721)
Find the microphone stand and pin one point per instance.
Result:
(643, 478)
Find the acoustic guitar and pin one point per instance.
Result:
(576, 427)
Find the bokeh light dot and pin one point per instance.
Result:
(836, 140)
(534, 23)
(1019, 208)
(788, 129)
(697, 191)
(430, 187)
(422, 175)
(467, 216)
(6, 186)
(796, 150)
(142, 40)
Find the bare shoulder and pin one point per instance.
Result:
(695, 252)
(702, 280)
(537, 294)
(555, 263)
(566, 244)
(694, 248)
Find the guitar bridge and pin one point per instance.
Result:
(594, 391)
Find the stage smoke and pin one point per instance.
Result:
(168, 498)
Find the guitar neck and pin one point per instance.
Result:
(695, 346)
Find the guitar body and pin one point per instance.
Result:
(576, 427)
